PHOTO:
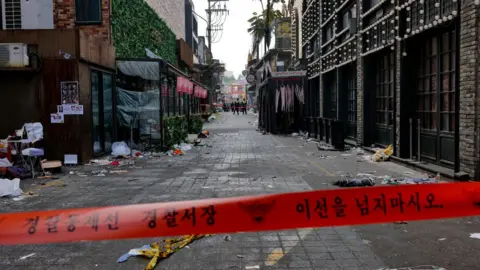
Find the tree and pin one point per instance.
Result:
(259, 22)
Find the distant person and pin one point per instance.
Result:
(237, 107)
(244, 107)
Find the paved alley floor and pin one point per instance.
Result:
(243, 161)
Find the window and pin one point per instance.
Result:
(88, 11)
(346, 19)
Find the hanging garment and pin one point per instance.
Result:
(277, 96)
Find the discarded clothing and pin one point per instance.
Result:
(355, 182)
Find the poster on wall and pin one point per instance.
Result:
(69, 92)
(57, 118)
(70, 109)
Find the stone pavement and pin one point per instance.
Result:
(242, 161)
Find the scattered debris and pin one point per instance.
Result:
(227, 238)
(115, 163)
(252, 267)
(101, 162)
(211, 118)
(442, 239)
(323, 146)
(162, 250)
(383, 154)
(408, 180)
(400, 222)
(27, 256)
(99, 172)
(119, 171)
(475, 235)
(120, 149)
(270, 186)
(366, 242)
(240, 256)
(10, 188)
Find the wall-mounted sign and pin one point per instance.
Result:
(69, 92)
(289, 73)
(245, 72)
(57, 118)
(251, 78)
(70, 109)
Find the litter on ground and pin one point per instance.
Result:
(160, 250)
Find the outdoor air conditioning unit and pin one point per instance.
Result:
(13, 55)
(26, 14)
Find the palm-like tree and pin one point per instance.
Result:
(262, 21)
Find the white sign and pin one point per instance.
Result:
(57, 118)
(70, 159)
(70, 109)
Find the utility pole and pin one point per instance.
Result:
(212, 10)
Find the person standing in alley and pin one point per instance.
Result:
(237, 107)
(244, 107)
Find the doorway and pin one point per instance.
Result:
(348, 97)
(102, 111)
(384, 98)
(436, 96)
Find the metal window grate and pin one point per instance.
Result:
(13, 14)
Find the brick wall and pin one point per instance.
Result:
(64, 18)
(172, 12)
(468, 86)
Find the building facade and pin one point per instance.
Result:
(401, 73)
(191, 29)
(67, 43)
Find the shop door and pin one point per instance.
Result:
(384, 99)
(436, 97)
(102, 111)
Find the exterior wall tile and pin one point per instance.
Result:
(173, 12)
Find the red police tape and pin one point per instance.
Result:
(321, 208)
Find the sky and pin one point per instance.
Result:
(233, 47)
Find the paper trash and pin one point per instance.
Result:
(10, 188)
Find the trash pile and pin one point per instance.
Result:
(160, 250)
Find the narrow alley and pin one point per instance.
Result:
(239, 160)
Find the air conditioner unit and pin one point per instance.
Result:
(26, 14)
(13, 55)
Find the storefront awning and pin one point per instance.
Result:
(148, 70)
